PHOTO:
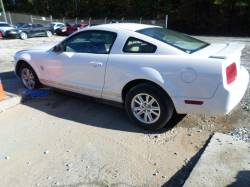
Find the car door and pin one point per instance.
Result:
(27, 28)
(81, 65)
(37, 30)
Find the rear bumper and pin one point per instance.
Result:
(224, 100)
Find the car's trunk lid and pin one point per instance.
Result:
(230, 50)
(221, 51)
(227, 54)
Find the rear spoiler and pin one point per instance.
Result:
(231, 49)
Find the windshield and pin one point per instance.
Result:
(19, 24)
(26, 26)
(181, 41)
(4, 25)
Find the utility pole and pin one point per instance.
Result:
(76, 8)
(4, 14)
(166, 21)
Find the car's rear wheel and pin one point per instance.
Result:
(49, 33)
(23, 35)
(29, 77)
(148, 106)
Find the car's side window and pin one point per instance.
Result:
(134, 45)
(39, 25)
(36, 25)
(97, 42)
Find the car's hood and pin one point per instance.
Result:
(15, 30)
(6, 28)
(44, 47)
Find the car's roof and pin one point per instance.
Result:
(57, 23)
(125, 26)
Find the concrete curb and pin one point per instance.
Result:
(225, 162)
(11, 101)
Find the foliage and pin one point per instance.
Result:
(193, 16)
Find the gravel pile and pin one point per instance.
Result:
(241, 134)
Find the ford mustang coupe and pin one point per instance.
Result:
(154, 72)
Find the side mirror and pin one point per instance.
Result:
(59, 48)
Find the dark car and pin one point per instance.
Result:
(69, 29)
(18, 25)
(28, 31)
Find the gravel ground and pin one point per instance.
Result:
(65, 140)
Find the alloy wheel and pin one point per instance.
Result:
(49, 34)
(28, 78)
(145, 108)
(23, 36)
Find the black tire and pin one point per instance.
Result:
(37, 83)
(164, 102)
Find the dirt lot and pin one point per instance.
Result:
(65, 140)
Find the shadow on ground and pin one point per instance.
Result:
(78, 108)
(179, 178)
(11, 83)
(242, 179)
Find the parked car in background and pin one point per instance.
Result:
(55, 25)
(152, 71)
(69, 29)
(18, 25)
(80, 25)
(29, 30)
(115, 21)
(5, 27)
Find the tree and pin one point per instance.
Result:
(193, 16)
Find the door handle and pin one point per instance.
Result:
(96, 64)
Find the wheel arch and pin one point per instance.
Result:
(19, 64)
(136, 82)
(24, 32)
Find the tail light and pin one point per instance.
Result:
(64, 29)
(231, 72)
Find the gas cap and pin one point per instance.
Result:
(188, 75)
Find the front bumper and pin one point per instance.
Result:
(224, 100)
(12, 35)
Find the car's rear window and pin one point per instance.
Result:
(181, 41)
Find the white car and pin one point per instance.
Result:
(5, 27)
(153, 71)
(57, 25)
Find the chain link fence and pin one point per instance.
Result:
(14, 18)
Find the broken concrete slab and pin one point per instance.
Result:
(10, 101)
(225, 162)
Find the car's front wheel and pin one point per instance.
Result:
(49, 33)
(29, 77)
(148, 106)
(23, 36)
